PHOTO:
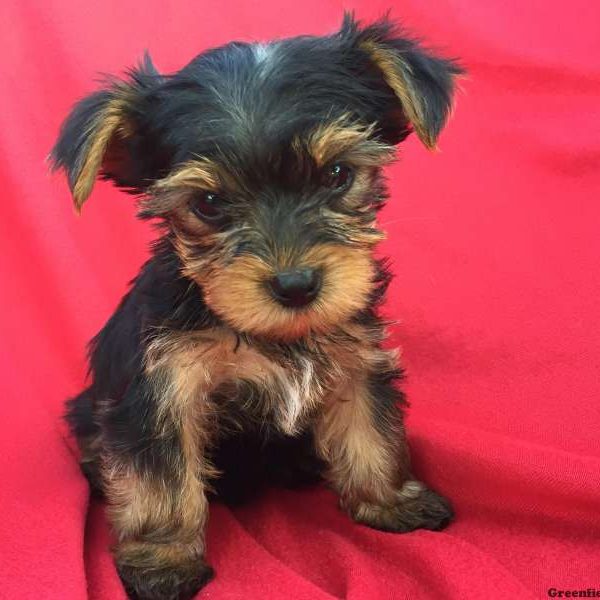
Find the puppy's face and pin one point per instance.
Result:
(264, 163)
(279, 236)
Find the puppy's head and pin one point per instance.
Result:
(264, 162)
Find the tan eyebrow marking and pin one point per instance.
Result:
(347, 139)
(202, 172)
(168, 193)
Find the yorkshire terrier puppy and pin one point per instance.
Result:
(249, 348)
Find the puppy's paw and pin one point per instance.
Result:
(167, 583)
(417, 507)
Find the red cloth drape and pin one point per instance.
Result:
(495, 243)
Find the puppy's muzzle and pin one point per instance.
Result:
(296, 288)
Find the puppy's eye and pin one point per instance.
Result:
(208, 207)
(338, 177)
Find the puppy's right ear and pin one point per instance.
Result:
(102, 135)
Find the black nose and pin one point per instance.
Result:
(296, 288)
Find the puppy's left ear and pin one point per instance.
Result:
(422, 83)
(104, 135)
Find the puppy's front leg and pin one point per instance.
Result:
(152, 471)
(360, 435)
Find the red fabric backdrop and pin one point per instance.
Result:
(496, 248)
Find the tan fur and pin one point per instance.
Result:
(112, 121)
(173, 193)
(155, 521)
(397, 75)
(140, 505)
(365, 466)
(190, 363)
(156, 525)
(238, 294)
(348, 140)
(362, 467)
(200, 363)
(200, 173)
(191, 233)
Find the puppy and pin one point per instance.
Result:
(249, 348)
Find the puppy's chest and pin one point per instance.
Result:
(284, 392)
(246, 383)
